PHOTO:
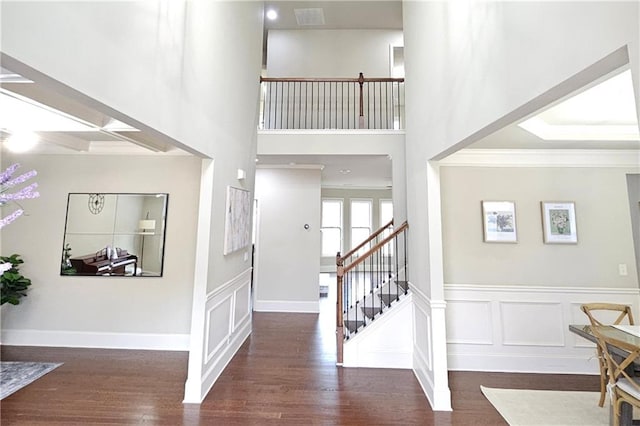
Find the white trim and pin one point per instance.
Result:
(286, 306)
(210, 353)
(241, 278)
(508, 341)
(539, 289)
(193, 391)
(627, 158)
(85, 339)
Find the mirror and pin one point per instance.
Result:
(114, 235)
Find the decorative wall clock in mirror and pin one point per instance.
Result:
(117, 235)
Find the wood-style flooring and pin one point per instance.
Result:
(284, 374)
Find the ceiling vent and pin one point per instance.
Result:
(308, 17)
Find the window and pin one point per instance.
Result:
(386, 212)
(360, 221)
(331, 228)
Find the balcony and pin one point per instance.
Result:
(332, 103)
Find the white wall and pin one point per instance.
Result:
(121, 312)
(330, 53)
(287, 254)
(187, 70)
(472, 68)
(603, 225)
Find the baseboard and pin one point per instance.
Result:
(513, 363)
(76, 339)
(286, 306)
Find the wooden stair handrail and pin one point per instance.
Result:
(375, 248)
(329, 80)
(371, 237)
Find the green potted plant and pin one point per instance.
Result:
(13, 284)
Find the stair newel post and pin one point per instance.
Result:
(361, 115)
(339, 309)
(406, 260)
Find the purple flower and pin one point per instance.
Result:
(10, 218)
(6, 175)
(25, 193)
(19, 179)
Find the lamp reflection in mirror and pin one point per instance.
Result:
(147, 227)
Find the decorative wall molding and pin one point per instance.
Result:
(286, 306)
(227, 325)
(626, 158)
(428, 320)
(84, 339)
(523, 328)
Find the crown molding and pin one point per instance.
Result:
(626, 158)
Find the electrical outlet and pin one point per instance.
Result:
(622, 269)
(246, 256)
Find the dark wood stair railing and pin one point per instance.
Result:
(332, 103)
(369, 281)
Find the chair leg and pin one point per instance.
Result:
(603, 377)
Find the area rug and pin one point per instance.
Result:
(546, 408)
(16, 375)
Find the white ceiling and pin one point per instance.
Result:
(362, 15)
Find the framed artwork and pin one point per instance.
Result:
(559, 222)
(499, 221)
(237, 229)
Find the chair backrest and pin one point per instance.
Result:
(624, 311)
(618, 368)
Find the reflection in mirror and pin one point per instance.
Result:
(114, 234)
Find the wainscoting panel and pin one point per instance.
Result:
(476, 332)
(523, 328)
(531, 324)
(218, 326)
(228, 324)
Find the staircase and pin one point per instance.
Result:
(372, 277)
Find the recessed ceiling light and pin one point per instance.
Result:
(272, 14)
(345, 171)
(21, 141)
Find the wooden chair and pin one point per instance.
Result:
(591, 310)
(624, 386)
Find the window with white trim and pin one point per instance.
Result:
(331, 227)
(360, 221)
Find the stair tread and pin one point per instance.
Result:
(372, 311)
(353, 325)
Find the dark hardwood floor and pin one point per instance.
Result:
(284, 374)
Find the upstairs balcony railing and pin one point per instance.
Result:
(332, 103)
